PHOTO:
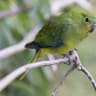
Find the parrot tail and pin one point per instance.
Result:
(32, 45)
(34, 59)
(36, 56)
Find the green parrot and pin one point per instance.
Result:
(63, 33)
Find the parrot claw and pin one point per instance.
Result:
(68, 57)
(75, 49)
(78, 66)
(71, 52)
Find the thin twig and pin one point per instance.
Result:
(19, 47)
(80, 67)
(54, 67)
(90, 77)
(7, 13)
(84, 70)
(19, 71)
(57, 88)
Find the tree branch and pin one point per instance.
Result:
(6, 52)
(54, 67)
(19, 71)
(16, 73)
(57, 88)
(79, 66)
(7, 13)
(90, 77)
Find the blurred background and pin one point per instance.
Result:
(40, 82)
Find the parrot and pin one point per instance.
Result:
(62, 33)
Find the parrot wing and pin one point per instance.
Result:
(51, 35)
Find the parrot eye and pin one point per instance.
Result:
(86, 19)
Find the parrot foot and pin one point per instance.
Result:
(72, 51)
(78, 66)
(76, 60)
(75, 49)
(68, 57)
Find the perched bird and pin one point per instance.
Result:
(62, 33)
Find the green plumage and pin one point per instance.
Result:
(62, 33)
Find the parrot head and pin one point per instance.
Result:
(82, 17)
(91, 21)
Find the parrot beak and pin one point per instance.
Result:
(93, 27)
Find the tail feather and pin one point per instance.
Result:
(36, 56)
(34, 59)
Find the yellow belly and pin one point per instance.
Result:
(57, 51)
